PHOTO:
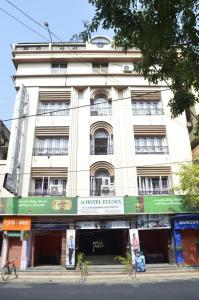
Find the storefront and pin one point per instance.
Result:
(101, 240)
(101, 227)
(13, 239)
(154, 236)
(186, 238)
(48, 242)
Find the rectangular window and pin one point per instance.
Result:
(51, 146)
(150, 145)
(59, 66)
(146, 107)
(100, 67)
(54, 108)
(153, 185)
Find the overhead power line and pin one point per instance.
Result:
(22, 23)
(77, 107)
(118, 168)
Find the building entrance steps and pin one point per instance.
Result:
(97, 268)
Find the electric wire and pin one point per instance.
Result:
(22, 23)
(77, 107)
(120, 167)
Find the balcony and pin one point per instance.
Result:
(147, 111)
(49, 151)
(101, 150)
(104, 190)
(151, 149)
(103, 111)
(48, 192)
(155, 191)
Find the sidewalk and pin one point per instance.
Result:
(105, 278)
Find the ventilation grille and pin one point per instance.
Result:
(145, 95)
(145, 130)
(154, 171)
(50, 172)
(54, 95)
(52, 131)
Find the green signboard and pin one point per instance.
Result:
(38, 206)
(163, 204)
(154, 204)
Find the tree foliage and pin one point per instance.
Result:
(166, 33)
(189, 184)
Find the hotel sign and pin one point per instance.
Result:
(100, 206)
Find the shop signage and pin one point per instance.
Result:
(100, 206)
(16, 223)
(38, 206)
(70, 249)
(1, 225)
(14, 233)
(102, 224)
(186, 222)
(153, 221)
(154, 204)
(49, 226)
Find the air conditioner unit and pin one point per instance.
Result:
(56, 189)
(127, 68)
(104, 188)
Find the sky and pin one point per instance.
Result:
(65, 18)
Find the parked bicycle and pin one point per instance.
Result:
(8, 269)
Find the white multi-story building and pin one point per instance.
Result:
(92, 128)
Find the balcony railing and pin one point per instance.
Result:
(97, 111)
(147, 111)
(108, 191)
(48, 192)
(54, 112)
(151, 149)
(50, 151)
(101, 150)
(155, 191)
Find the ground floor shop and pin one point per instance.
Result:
(186, 238)
(57, 241)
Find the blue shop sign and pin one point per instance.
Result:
(49, 226)
(186, 221)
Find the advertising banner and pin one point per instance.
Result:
(154, 204)
(100, 206)
(134, 243)
(16, 223)
(153, 221)
(38, 206)
(70, 249)
(164, 204)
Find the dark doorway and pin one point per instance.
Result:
(154, 244)
(102, 242)
(47, 248)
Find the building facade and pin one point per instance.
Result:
(94, 153)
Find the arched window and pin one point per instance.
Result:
(101, 143)
(100, 106)
(102, 179)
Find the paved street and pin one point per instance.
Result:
(173, 290)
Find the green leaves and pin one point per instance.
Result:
(165, 32)
(189, 184)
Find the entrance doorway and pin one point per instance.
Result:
(102, 242)
(154, 244)
(14, 250)
(47, 248)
